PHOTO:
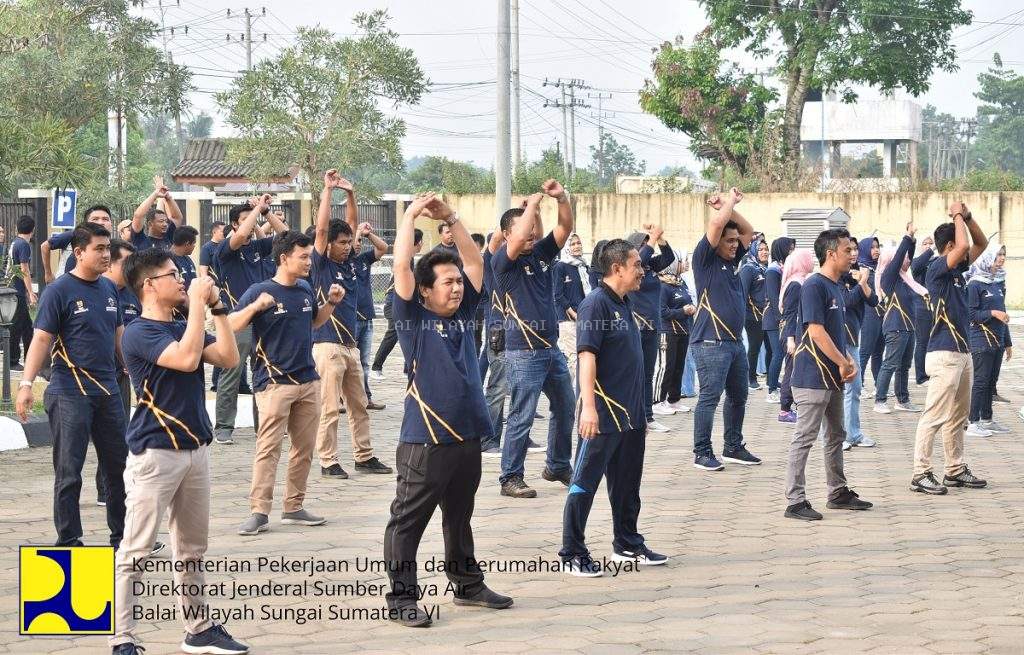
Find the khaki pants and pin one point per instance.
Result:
(158, 480)
(945, 410)
(341, 374)
(284, 408)
(567, 344)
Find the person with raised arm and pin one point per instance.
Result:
(153, 227)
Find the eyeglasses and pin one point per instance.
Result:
(176, 273)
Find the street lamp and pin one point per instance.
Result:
(8, 308)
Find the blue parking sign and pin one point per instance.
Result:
(64, 205)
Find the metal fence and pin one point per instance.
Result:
(10, 212)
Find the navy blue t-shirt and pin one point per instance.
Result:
(242, 268)
(187, 268)
(855, 303)
(364, 291)
(524, 285)
(605, 326)
(899, 313)
(171, 411)
(566, 289)
(341, 328)
(142, 240)
(773, 294)
(822, 301)
(646, 301)
(21, 253)
(131, 308)
(495, 309)
(282, 336)
(673, 319)
(986, 332)
(207, 253)
(752, 279)
(948, 293)
(444, 402)
(720, 303)
(83, 317)
(789, 326)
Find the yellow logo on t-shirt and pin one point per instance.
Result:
(66, 590)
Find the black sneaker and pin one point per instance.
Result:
(334, 471)
(582, 566)
(643, 556)
(372, 465)
(802, 511)
(964, 479)
(485, 598)
(516, 488)
(127, 649)
(740, 456)
(158, 547)
(565, 477)
(707, 463)
(927, 484)
(245, 390)
(215, 641)
(846, 498)
(411, 616)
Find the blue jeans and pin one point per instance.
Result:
(721, 366)
(851, 402)
(775, 364)
(364, 341)
(529, 372)
(899, 354)
(689, 376)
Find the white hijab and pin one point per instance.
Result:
(581, 265)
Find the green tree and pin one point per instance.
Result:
(529, 176)
(724, 111)
(609, 158)
(1001, 119)
(317, 104)
(448, 176)
(830, 44)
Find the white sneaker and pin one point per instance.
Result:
(654, 426)
(679, 406)
(847, 445)
(376, 375)
(663, 409)
(995, 428)
(866, 442)
(774, 398)
(867, 394)
(882, 408)
(907, 407)
(975, 430)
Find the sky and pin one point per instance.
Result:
(605, 43)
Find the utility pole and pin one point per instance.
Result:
(600, 97)
(569, 102)
(517, 146)
(170, 58)
(503, 160)
(246, 37)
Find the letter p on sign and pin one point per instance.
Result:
(64, 206)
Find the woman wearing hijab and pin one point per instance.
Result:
(677, 310)
(898, 323)
(989, 336)
(923, 309)
(780, 250)
(871, 343)
(798, 266)
(570, 284)
(752, 281)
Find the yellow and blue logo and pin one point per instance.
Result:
(66, 590)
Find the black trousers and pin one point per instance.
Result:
(21, 330)
(786, 389)
(755, 339)
(74, 420)
(429, 476)
(387, 343)
(922, 332)
(125, 384)
(675, 362)
(983, 386)
(619, 458)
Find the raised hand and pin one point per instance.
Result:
(715, 201)
(911, 230)
(553, 188)
(335, 294)
(199, 290)
(958, 208)
(736, 195)
(365, 229)
(439, 209)
(419, 204)
(654, 231)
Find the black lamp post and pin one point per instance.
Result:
(8, 307)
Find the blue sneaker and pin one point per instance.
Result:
(787, 417)
(127, 649)
(708, 463)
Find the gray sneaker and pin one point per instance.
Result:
(906, 407)
(302, 517)
(223, 438)
(254, 525)
(997, 428)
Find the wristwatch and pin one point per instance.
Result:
(219, 311)
(26, 383)
(452, 219)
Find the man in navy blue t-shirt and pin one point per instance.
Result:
(283, 312)
(390, 339)
(438, 456)
(97, 214)
(821, 369)
(20, 259)
(209, 249)
(239, 261)
(948, 362)
(534, 364)
(80, 319)
(131, 308)
(715, 341)
(169, 442)
(612, 414)
(153, 227)
(362, 262)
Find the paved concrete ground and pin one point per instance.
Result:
(916, 574)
